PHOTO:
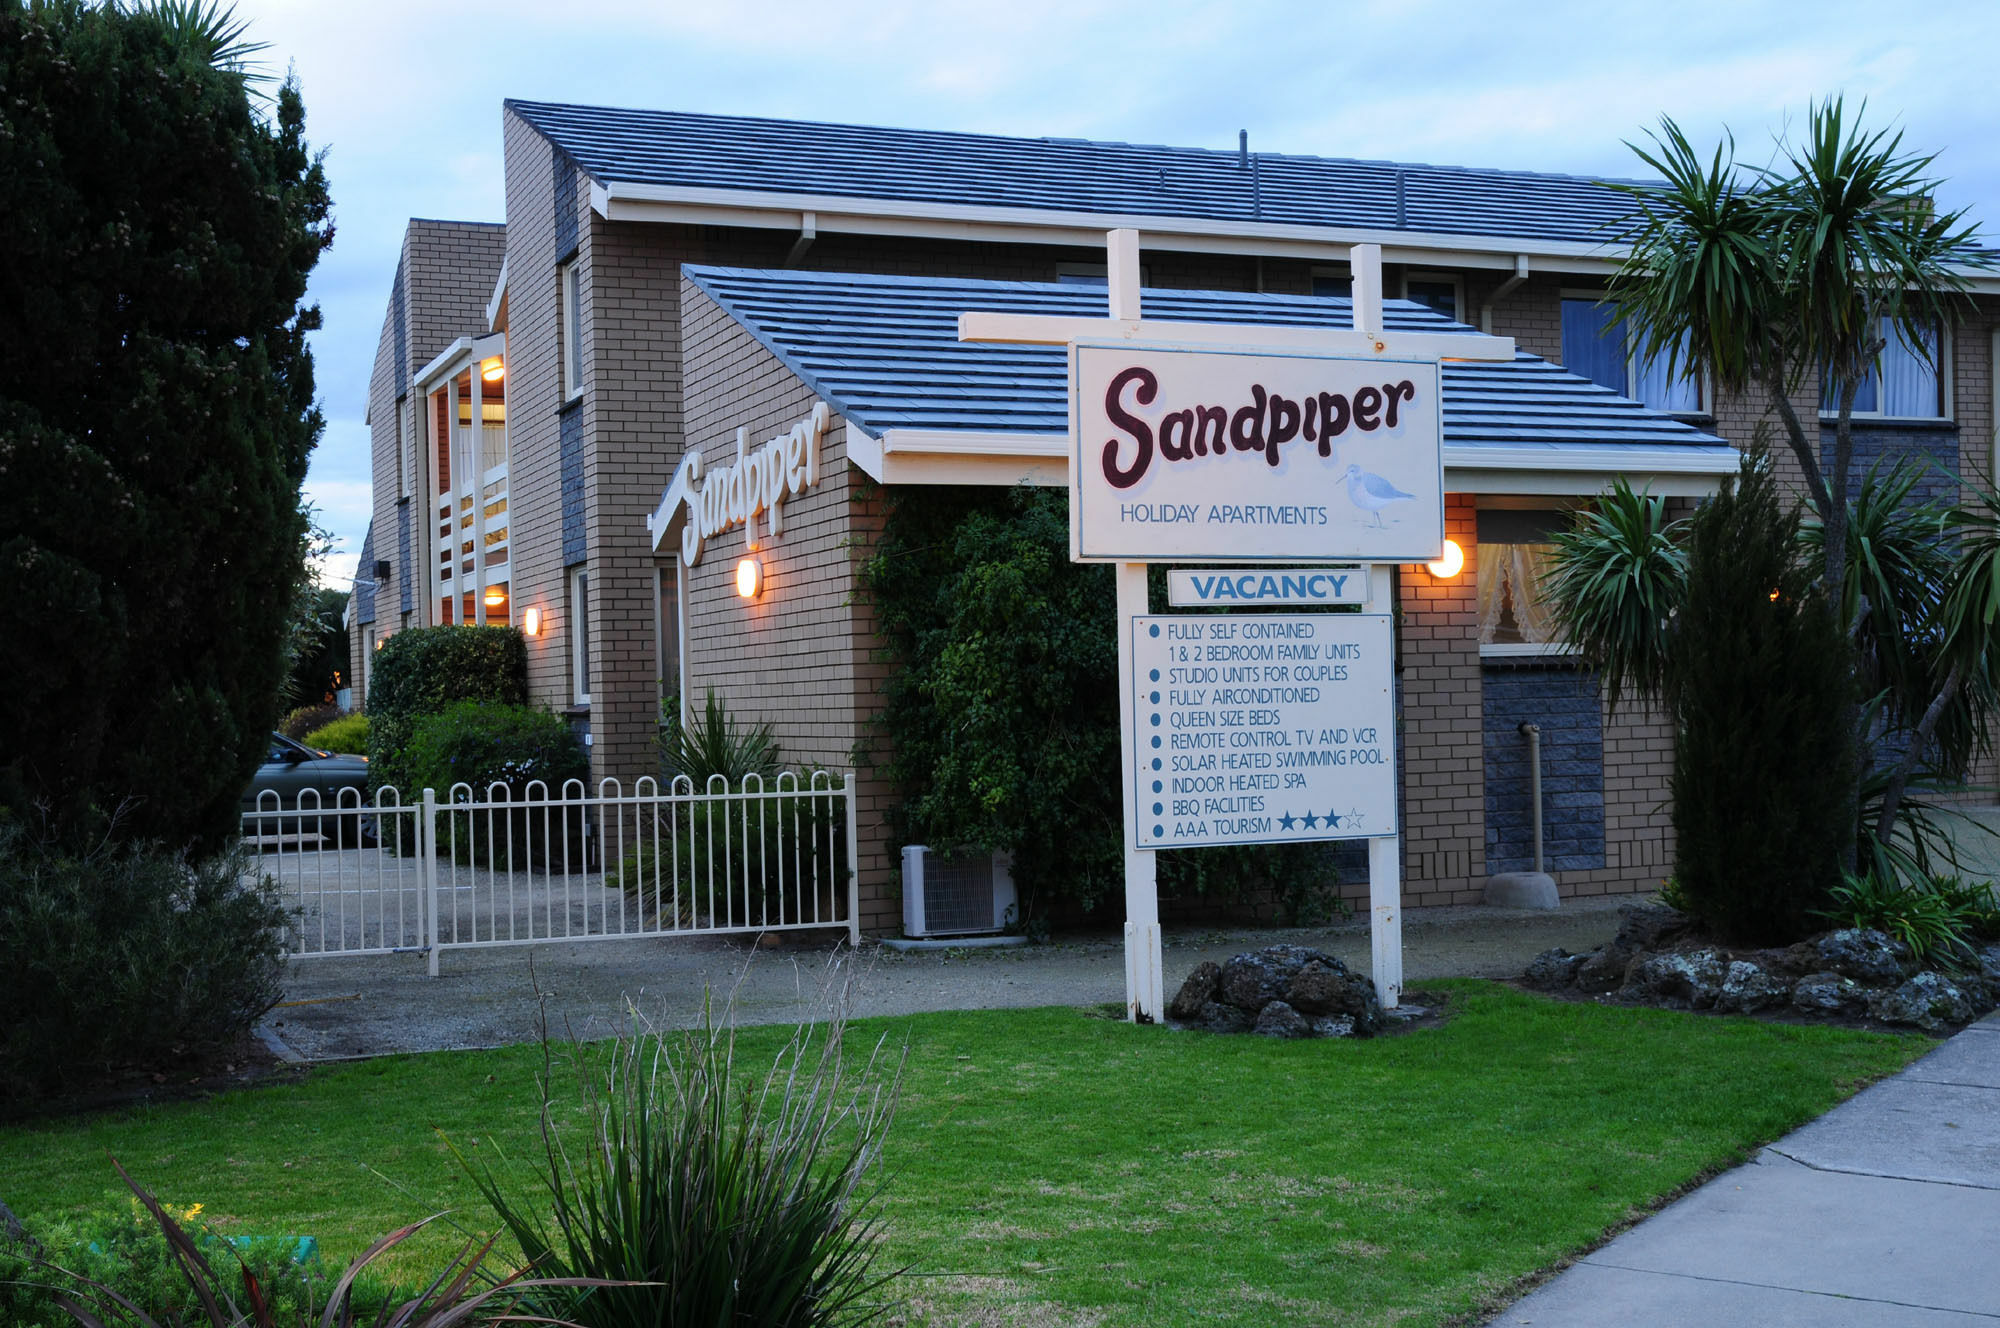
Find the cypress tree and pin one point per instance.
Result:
(1760, 687)
(156, 414)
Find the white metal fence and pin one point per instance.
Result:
(384, 876)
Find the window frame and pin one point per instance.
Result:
(405, 449)
(1947, 405)
(578, 579)
(1704, 390)
(1524, 650)
(569, 337)
(1452, 279)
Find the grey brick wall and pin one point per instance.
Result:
(1934, 447)
(1564, 703)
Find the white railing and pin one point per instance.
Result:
(499, 868)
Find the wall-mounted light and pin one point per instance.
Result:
(1449, 564)
(749, 578)
(493, 370)
(531, 622)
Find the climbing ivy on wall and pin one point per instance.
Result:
(1000, 715)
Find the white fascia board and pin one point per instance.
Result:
(460, 354)
(499, 295)
(686, 205)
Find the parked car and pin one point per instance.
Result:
(291, 769)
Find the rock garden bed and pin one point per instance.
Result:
(1285, 991)
(1847, 975)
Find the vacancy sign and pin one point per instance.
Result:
(1264, 729)
(1183, 453)
(1233, 587)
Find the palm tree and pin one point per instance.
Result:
(1787, 280)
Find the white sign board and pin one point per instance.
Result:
(1186, 454)
(1233, 587)
(1264, 729)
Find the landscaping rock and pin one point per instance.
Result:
(1280, 1020)
(1799, 959)
(1928, 1001)
(1219, 1018)
(1828, 993)
(1553, 970)
(1864, 954)
(1747, 988)
(1603, 970)
(1693, 978)
(1316, 994)
(1197, 991)
(1648, 926)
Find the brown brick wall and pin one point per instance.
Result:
(801, 656)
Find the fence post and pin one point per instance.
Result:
(853, 865)
(427, 852)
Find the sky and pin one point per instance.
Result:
(405, 99)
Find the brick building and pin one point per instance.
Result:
(667, 285)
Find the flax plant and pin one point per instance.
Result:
(718, 1201)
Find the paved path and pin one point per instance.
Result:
(352, 1006)
(1884, 1212)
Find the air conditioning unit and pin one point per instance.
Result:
(956, 896)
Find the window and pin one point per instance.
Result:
(1093, 274)
(569, 279)
(403, 447)
(1514, 550)
(1336, 282)
(579, 637)
(1597, 346)
(1436, 291)
(1906, 382)
(667, 634)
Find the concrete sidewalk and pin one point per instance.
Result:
(1884, 1212)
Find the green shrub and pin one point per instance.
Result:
(421, 671)
(158, 1267)
(714, 743)
(127, 956)
(483, 743)
(121, 1250)
(692, 863)
(1941, 918)
(298, 723)
(347, 734)
(1761, 689)
(740, 1202)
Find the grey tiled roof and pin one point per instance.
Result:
(884, 352)
(731, 152)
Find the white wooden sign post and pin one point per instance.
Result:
(1240, 444)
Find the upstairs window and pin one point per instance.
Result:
(568, 281)
(1905, 383)
(1597, 346)
(1437, 292)
(579, 635)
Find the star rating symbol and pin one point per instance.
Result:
(1333, 819)
(1353, 819)
(1311, 820)
(1286, 821)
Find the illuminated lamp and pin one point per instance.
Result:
(749, 578)
(1449, 564)
(495, 596)
(493, 370)
(531, 622)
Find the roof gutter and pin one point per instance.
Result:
(618, 201)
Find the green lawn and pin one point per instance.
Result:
(1054, 1167)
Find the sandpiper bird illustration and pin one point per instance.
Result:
(1372, 493)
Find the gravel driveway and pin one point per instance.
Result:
(340, 1006)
